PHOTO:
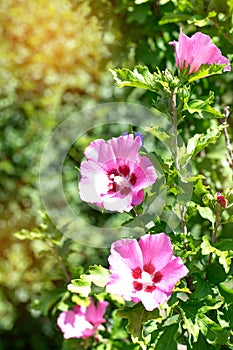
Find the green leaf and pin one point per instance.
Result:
(189, 314)
(207, 70)
(81, 286)
(137, 316)
(173, 18)
(216, 273)
(202, 289)
(225, 257)
(201, 21)
(167, 341)
(202, 344)
(98, 275)
(48, 299)
(158, 132)
(141, 77)
(31, 235)
(227, 293)
(203, 107)
(212, 331)
(206, 213)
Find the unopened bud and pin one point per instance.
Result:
(221, 200)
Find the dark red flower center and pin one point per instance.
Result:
(121, 180)
(147, 278)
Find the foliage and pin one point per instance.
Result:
(55, 59)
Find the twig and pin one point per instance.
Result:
(223, 121)
(226, 36)
(60, 262)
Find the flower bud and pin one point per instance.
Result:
(221, 200)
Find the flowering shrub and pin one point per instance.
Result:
(115, 174)
(173, 285)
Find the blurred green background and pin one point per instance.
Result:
(54, 60)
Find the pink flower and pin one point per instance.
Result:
(197, 50)
(144, 270)
(81, 321)
(114, 175)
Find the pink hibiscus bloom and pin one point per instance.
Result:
(144, 270)
(114, 175)
(197, 50)
(81, 321)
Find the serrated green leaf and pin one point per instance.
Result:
(203, 108)
(140, 77)
(99, 275)
(81, 286)
(207, 70)
(225, 257)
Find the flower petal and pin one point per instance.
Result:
(172, 272)
(94, 313)
(154, 299)
(156, 249)
(126, 147)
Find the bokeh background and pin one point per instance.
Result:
(55, 58)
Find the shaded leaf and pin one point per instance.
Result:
(167, 341)
(137, 316)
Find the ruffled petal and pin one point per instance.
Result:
(126, 147)
(156, 249)
(172, 273)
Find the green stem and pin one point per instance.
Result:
(227, 138)
(176, 160)
(174, 113)
(60, 262)
(214, 235)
